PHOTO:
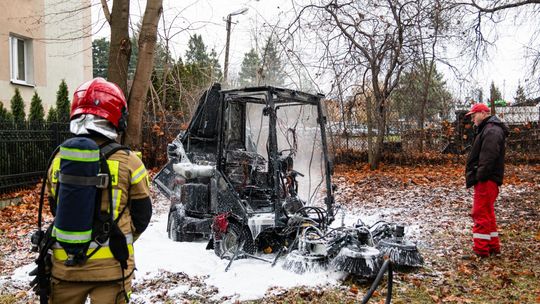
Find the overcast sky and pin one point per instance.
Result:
(506, 66)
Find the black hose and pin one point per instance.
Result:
(319, 212)
(387, 265)
(378, 222)
(42, 192)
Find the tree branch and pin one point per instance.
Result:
(496, 8)
(106, 11)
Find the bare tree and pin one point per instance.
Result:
(378, 37)
(120, 44)
(145, 64)
(119, 55)
(479, 26)
(429, 24)
(499, 5)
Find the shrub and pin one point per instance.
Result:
(52, 116)
(37, 114)
(17, 107)
(63, 105)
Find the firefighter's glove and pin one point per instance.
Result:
(36, 239)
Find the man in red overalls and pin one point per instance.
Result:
(485, 171)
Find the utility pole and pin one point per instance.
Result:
(228, 27)
(226, 65)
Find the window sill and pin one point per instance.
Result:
(22, 83)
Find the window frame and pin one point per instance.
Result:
(14, 58)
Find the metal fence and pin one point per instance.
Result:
(439, 141)
(25, 150)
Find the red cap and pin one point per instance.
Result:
(477, 108)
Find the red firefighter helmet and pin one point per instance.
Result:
(101, 98)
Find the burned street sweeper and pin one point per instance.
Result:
(252, 175)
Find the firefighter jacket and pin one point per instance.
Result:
(130, 183)
(486, 159)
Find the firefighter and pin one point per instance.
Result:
(99, 112)
(484, 172)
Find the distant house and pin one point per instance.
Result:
(525, 112)
(41, 43)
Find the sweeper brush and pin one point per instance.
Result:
(302, 262)
(362, 261)
(312, 252)
(390, 241)
(402, 253)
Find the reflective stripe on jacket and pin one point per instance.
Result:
(129, 181)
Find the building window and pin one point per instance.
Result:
(21, 60)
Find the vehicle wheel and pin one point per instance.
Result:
(229, 242)
(176, 218)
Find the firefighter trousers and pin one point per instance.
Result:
(485, 235)
(65, 292)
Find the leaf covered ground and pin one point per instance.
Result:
(431, 200)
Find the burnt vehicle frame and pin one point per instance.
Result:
(241, 196)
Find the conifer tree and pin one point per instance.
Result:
(196, 52)
(100, 57)
(520, 95)
(5, 115)
(215, 67)
(63, 105)
(37, 114)
(202, 67)
(52, 116)
(17, 107)
(494, 93)
(272, 67)
(249, 69)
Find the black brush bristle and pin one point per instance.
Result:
(402, 253)
(361, 261)
(301, 263)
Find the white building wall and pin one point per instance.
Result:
(69, 50)
(62, 47)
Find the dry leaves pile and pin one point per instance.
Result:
(434, 203)
(430, 199)
(17, 223)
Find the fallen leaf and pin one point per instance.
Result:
(463, 269)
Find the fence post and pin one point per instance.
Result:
(56, 134)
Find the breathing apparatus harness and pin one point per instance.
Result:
(103, 225)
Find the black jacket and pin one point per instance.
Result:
(486, 160)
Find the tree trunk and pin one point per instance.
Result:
(342, 109)
(141, 80)
(120, 47)
(421, 121)
(425, 95)
(381, 126)
(369, 121)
